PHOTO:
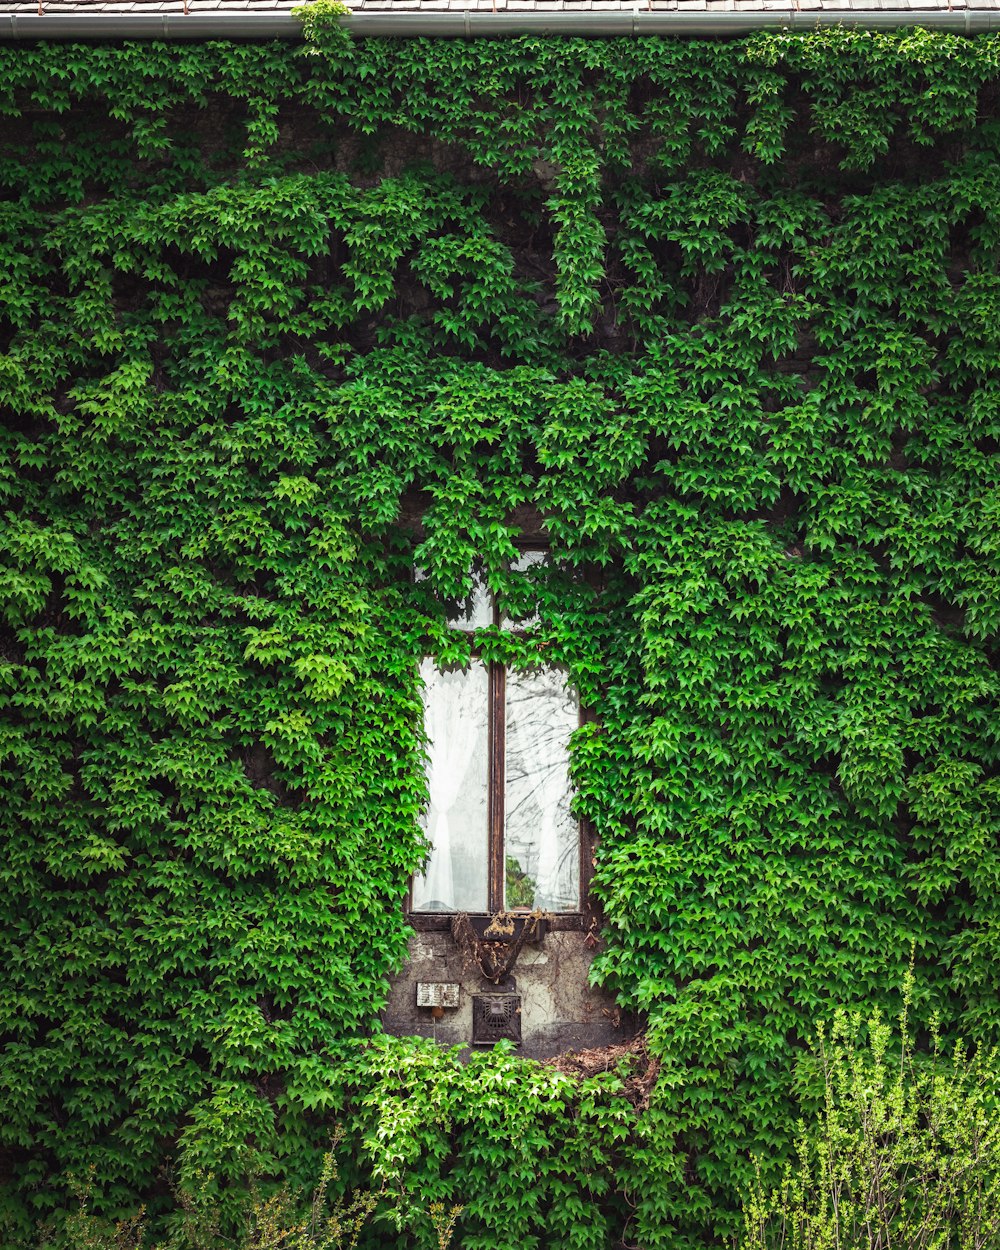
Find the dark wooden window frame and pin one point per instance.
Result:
(582, 919)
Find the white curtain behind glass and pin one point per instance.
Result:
(525, 561)
(542, 837)
(455, 719)
(474, 612)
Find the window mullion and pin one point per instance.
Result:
(498, 747)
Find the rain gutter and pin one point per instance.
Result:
(466, 23)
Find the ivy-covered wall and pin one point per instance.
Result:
(727, 315)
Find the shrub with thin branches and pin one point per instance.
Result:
(904, 1153)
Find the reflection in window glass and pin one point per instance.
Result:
(455, 718)
(542, 837)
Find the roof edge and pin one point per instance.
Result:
(467, 23)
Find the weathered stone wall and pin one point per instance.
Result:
(559, 1010)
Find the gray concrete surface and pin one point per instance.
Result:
(559, 1011)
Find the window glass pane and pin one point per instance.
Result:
(474, 612)
(455, 717)
(525, 561)
(542, 837)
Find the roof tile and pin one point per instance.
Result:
(175, 8)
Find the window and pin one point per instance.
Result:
(499, 822)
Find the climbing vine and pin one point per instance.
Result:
(279, 323)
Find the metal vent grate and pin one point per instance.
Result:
(495, 1016)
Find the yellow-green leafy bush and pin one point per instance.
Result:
(904, 1151)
